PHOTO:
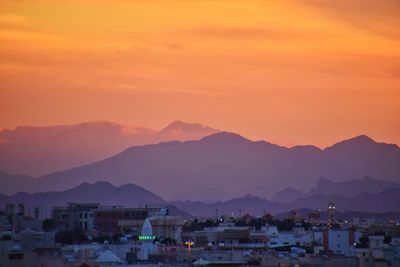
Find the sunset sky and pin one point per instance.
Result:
(291, 72)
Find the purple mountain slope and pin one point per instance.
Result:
(10, 183)
(232, 164)
(135, 196)
(346, 189)
(386, 201)
(37, 151)
(364, 154)
(287, 195)
(128, 195)
(250, 204)
(353, 187)
(369, 202)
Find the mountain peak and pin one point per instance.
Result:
(97, 185)
(179, 130)
(179, 124)
(186, 127)
(358, 141)
(225, 137)
(322, 181)
(250, 196)
(287, 194)
(361, 138)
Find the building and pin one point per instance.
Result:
(106, 218)
(163, 227)
(296, 237)
(116, 219)
(227, 236)
(314, 217)
(75, 216)
(341, 241)
(29, 248)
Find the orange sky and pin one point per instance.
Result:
(291, 72)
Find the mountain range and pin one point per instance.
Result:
(131, 195)
(228, 165)
(36, 151)
(385, 201)
(104, 193)
(347, 188)
(218, 167)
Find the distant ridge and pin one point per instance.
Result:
(104, 193)
(37, 151)
(231, 164)
(353, 187)
(385, 201)
(287, 195)
(349, 188)
(131, 195)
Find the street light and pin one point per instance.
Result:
(189, 244)
(331, 209)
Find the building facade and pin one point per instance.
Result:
(75, 216)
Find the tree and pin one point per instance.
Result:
(70, 236)
(49, 225)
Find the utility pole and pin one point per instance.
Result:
(189, 244)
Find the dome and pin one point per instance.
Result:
(108, 257)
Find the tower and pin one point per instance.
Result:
(147, 240)
(331, 210)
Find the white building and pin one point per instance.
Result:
(343, 241)
(339, 241)
(147, 247)
(297, 237)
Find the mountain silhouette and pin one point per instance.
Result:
(104, 193)
(37, 151)
(231, 163)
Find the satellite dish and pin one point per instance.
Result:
(163, 212)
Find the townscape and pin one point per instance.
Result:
(87, 234)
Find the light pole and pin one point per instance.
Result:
(331, 209)
(189, 244)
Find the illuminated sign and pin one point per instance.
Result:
(147, 237)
